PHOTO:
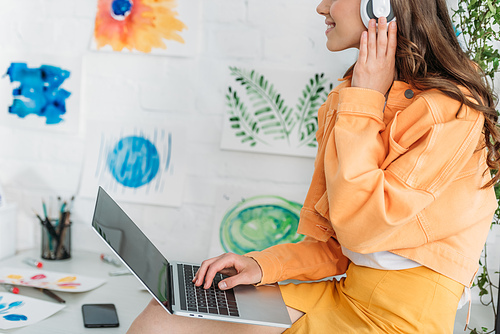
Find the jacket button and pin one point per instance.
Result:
(409, 94)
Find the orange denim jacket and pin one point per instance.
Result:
(403, 178)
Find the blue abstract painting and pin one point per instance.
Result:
(17, 310)
(136, 163)
(39, 91)
(7, 309)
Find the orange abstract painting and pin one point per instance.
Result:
(140, 25)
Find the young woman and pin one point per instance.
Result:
(401, 198)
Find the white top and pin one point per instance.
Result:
(389, 261)
(380, 260)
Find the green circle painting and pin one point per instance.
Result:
(258, 223)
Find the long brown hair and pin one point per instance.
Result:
(428, 55)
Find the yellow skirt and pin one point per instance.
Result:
(417, 300)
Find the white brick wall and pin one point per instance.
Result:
(282, 34)
(247, 33)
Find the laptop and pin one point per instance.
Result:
(170, 283)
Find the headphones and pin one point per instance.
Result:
(373, 9)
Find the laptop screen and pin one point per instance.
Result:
(133, 247)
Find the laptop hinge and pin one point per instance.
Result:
(171, 275)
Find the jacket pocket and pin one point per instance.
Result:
(395, 149)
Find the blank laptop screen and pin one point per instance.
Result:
(133, 247)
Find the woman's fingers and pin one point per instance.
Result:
(382, 37)
(373, 43)
(248, 272)
(377, 51)
(363, 48)
(199, 277)
(392, 40)
(241, 269)
(377, 39)
(372, 39)
(223, 262)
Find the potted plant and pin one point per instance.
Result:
(477, 25)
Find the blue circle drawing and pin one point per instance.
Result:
(134, 161)
(120, 9)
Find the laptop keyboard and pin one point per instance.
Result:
(212, 300)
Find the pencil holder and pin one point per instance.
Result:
(56, 240)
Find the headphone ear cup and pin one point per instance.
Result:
(367, 12)
(391, 17)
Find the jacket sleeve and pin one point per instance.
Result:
(309, 259)
(374, 189)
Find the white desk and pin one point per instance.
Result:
(124, 291)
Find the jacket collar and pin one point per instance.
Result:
(401, 94)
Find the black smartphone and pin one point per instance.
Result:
(99, 315)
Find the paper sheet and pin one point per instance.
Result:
(49, 280)
(18, 311)
(138, 163)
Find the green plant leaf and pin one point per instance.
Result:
(275, 118)
(243, 122)
(478, 21)
(313, 95)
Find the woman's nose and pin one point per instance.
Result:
(323, 8)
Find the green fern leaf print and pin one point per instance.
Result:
(313, 95)
(245, 125)
(268, 119)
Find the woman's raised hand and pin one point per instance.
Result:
(375, 67)
(241, 269)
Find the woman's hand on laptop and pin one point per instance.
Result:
(240, 269)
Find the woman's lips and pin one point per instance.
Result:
(329, 27)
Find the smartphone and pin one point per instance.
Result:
(99, 315)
